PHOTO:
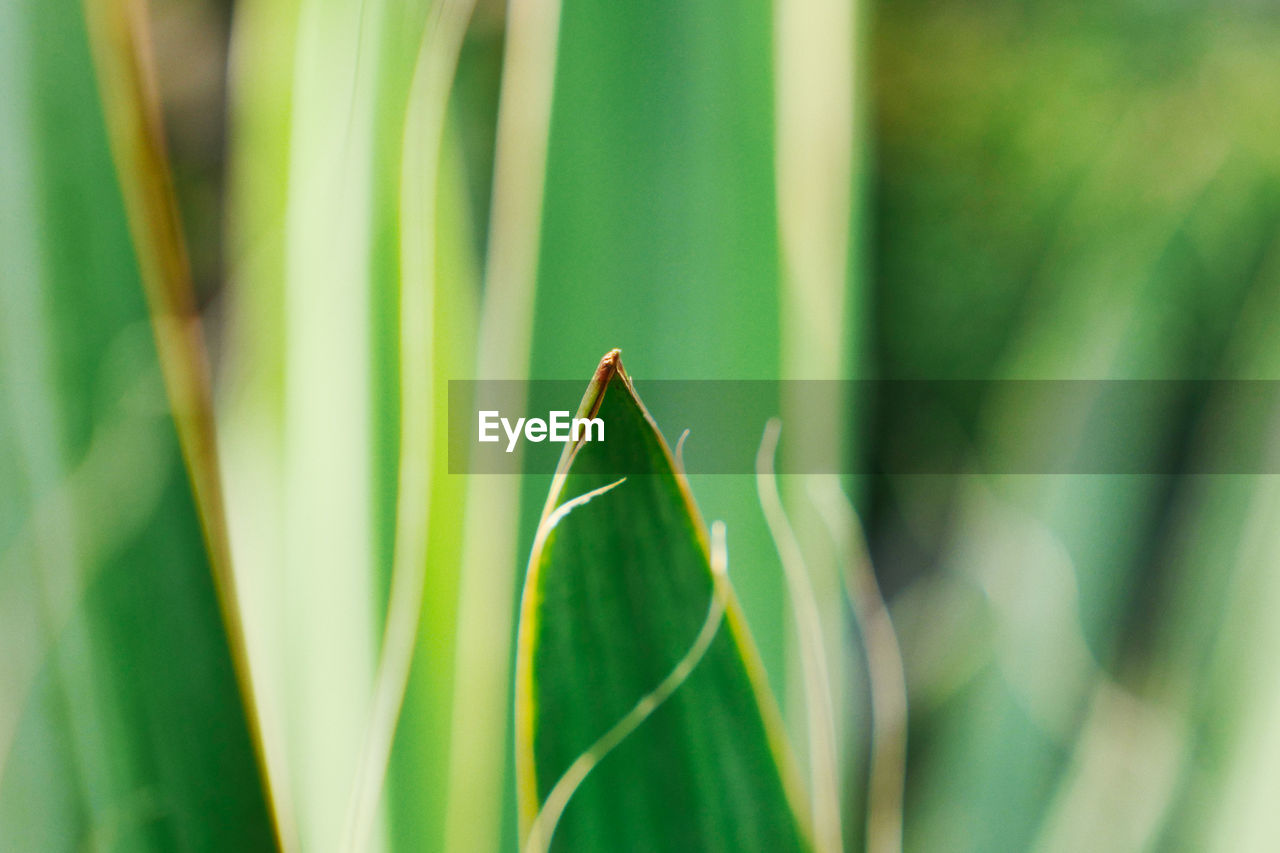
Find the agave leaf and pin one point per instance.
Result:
(121, 723)
(617, 592)
(641, 125)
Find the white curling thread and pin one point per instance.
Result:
(824, 776)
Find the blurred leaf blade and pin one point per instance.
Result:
(121, 723)
(418, 774)
(1092, 255)
(616, 594)
(665, 116)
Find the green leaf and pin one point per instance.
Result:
(122, 725)
(618, 591)
(664, 115)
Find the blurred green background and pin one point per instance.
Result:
(312, 647)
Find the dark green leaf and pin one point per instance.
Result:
(618, 590)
